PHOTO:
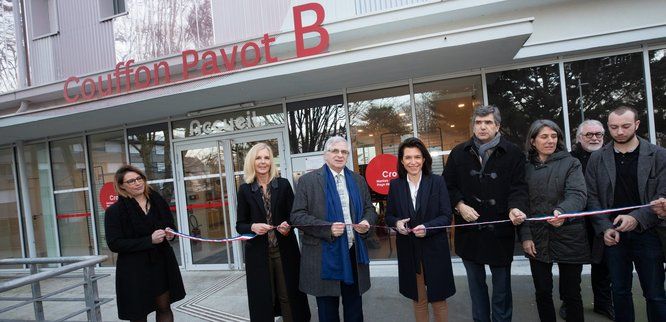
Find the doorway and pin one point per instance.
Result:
(209, 172)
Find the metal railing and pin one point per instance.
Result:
(70, 264)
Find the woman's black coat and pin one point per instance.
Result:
(432, 209)
(251, 210)
(128, 233)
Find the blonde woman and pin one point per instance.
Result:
(271, 258)
(147, 274)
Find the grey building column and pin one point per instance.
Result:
(25, 200)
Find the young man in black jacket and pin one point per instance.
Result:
(629, 171)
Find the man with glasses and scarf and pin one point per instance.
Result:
(333, 209)
(486, 181)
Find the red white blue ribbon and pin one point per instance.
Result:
(568, 215)
(209, 240)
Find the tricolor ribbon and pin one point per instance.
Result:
(568, 215)
(223, 240)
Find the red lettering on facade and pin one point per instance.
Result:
(209, 65)
(167, 72)
(266, 41)
(229, 62)
(300, 30)
(138, 83)
(68, 98)
(257, 54)
(251, 54)
(88, 82)
(100, 86)
(187, 64)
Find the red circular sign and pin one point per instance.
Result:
(107, 195)
(380, 171)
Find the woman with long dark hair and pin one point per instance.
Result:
(419, 199)
(147, 274)
(556, 186)
(272, 258)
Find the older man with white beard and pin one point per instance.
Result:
(590, 138)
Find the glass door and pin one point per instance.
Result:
(209, 174)
(204, 204)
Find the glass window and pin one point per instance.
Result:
(8, 57)
(69, 164)
(107, 154)
(111, 8)
(10, 229)
(70, 184)
(595, 86)
(153, 29)
(44, 14)
(312, 122)
(41, 199)
(150, 150)
(443, 112)
(525, 95)
(658, 77)
(74, 223)
(379, 120)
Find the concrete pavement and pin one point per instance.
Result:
(222, 296)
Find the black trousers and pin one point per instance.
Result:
(542, 275)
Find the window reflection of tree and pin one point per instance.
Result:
(143, 150)
(523, 96)
(380, 124)
(612, 80)
(310, 125)
(658, 77)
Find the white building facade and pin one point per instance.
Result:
(182, 89)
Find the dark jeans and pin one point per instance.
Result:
(352, 304)
(542, 275)
(645, 253)
(502, 307)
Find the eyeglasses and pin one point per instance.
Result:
(336, 151)
(135, 180)
(590, 135)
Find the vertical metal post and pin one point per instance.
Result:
(91, 294)
(25, 200)
(36, 293)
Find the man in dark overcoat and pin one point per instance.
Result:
(332, 206)
(486, 181)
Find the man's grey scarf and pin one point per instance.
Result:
(486, 149)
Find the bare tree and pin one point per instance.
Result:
(8, 55)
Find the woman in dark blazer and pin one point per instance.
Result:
(271, 258)
(419, 199)
(147, 274)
